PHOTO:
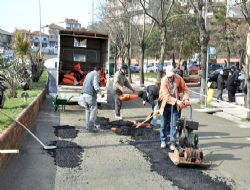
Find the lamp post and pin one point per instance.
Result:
(207, 57)
(40, 34)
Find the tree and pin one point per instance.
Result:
(143, 30)
(198, 7)
(245, 8)
(11, 75)
(117, 25)
(21, 48)
(159, 13)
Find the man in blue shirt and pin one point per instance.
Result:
(89, 97)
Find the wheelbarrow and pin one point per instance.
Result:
(56, 101)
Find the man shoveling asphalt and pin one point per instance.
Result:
(151, 95)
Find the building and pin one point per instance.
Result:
(70, 24)
(134, 9)
(40, 37)
(52, 30)
(5, 38)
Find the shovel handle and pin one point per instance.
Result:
(14, 151)
(137, 126)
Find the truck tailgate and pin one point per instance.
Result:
(68, 91)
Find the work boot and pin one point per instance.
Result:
(163, 145)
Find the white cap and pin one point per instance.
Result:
(169, 71)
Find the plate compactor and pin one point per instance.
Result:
(187, 151)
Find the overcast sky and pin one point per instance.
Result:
(24, 14)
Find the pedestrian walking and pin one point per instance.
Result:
(220, 85)
(120, 80)
(171, 87)
(151, 95)
(89, 97)
(179, 71)
(231, 87)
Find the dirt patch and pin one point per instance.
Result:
(67, 154)
(65, 131)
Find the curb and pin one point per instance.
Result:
(12, 136)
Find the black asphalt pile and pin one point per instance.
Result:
(65, 131)
(126, 128)
(106, 124)
(67, 154)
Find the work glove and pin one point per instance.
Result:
(179, 103)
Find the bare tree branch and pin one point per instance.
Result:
(146, 12)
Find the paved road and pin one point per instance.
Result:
(106, 160)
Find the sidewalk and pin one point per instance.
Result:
(230, 111)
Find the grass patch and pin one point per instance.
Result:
(14, 106)
(245, 119)
(146, 75)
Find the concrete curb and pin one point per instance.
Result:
(12, 136)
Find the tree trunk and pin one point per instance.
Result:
(248, 88)
(163, 49)
(228, 55)
(246, 68)
(129, 63)
(142, 64)
(173, 61)
(204, 39)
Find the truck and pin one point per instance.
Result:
(82, 50)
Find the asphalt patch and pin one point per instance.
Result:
(67, 154)
(65, 131)
(148, 141)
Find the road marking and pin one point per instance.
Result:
(244, 126)
(217, 137)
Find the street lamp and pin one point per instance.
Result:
(207, 57)
(40, 37)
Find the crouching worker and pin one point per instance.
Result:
(151, 95)
(89, 97)
(171, 87)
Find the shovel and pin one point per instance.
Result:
(152, 114)
(34, 136)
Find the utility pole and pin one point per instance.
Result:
(93, 12)
(40, 37)
(205, 17)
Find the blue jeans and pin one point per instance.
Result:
(90, 105)
(166, 122)
(155, 117)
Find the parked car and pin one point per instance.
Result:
(150, 67)
(212, 77)
(193, 69)
(134, 68)
(213, 67)
(240, 81)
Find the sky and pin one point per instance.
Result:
(24, 14)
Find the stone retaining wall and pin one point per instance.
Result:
(11, 137)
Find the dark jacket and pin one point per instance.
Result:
(151, 94)
(231, 83)
(220, 82)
